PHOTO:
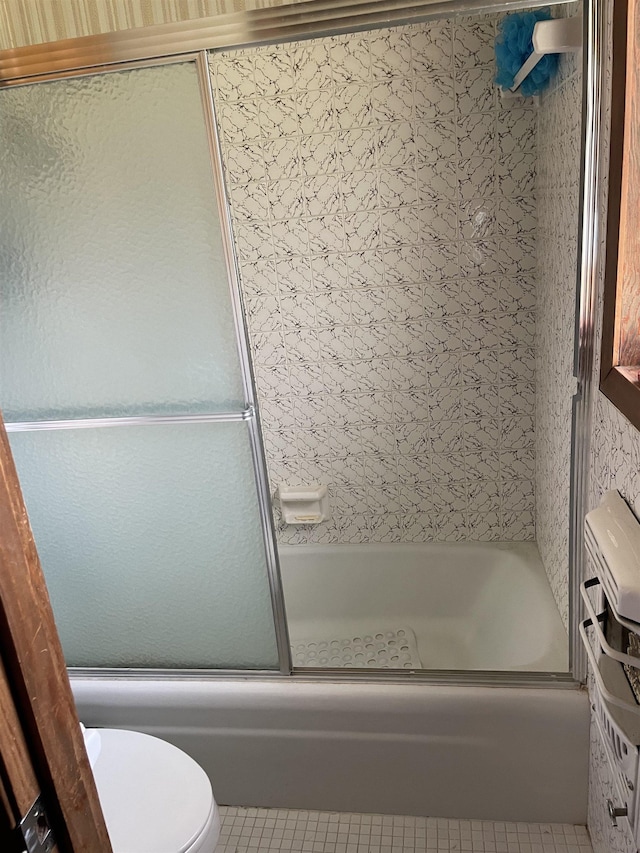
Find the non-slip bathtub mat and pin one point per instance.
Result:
(394, 648)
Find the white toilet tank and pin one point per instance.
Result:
(155, 798)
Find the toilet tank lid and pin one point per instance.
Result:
(155, 798)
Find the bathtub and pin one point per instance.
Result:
(515, 754)
(471, 606)
(395, 746)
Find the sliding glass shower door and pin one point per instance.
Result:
(122, 374)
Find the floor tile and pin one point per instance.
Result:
(252, 830)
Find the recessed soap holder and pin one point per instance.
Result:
(303, 504)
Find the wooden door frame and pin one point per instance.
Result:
(620, 347)
(41, 744)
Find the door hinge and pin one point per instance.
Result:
(34, 830)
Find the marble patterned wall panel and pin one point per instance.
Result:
(384, 214)
(558, 198)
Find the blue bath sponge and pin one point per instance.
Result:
(513, 46)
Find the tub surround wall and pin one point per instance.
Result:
(558, 198)
(384, 212)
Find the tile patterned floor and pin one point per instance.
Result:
(247, 830)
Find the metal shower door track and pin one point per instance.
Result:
(310, 19)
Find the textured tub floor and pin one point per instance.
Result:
(247, 830)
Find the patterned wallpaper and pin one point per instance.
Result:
(605, 838)
(558, 198)
(384, 213)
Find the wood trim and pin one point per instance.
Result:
(7, 818)
(616, 152)
(627, 351)
(624, 395)
(622, 265)
(17, 778)
(36, 670)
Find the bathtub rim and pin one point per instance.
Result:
(442, 678)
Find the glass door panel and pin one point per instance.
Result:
(116, 303)
(115, 294)
(152, 545)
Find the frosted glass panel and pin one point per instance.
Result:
(115, 296)
(151, 544)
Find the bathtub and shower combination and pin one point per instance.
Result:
(325, 742)
(429, 678)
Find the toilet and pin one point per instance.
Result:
(155, 798)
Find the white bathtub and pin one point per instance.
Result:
(464, 752)
(394, 747)
(471, 606)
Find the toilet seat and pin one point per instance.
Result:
(155, 798)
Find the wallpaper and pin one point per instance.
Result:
(605, 838)
(384, 215)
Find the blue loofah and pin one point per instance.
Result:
(513, 46)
